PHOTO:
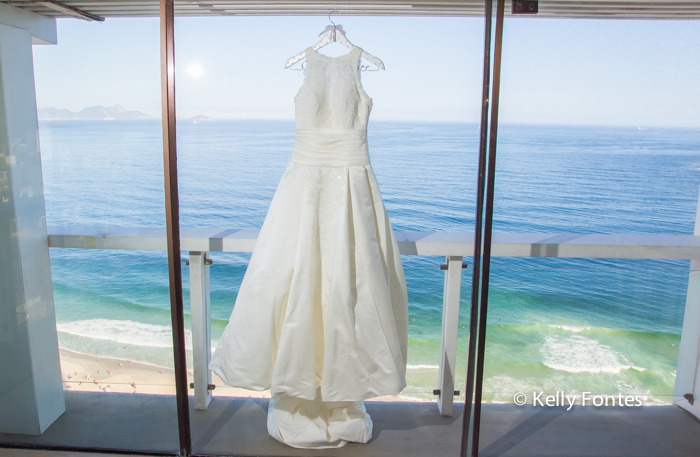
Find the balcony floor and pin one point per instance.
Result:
(237, 426)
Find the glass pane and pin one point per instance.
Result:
(235, 136)
(585, 325)
(601, 140)
(125, 322)
(98, 98)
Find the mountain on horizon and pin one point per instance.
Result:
(98, 112)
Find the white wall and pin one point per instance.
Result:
(31, 392)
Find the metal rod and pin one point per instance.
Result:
(172, 216)
(488, 225)
(474, 313)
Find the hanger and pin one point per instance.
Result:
(335, 33)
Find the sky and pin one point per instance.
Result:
(589, 72)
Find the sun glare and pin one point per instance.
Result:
(195, 70)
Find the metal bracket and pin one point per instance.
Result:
(206, 262)
(690, 398)
(524, 7)
(209, 387)
(444, 266)
(437, 392)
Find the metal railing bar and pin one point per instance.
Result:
(488, 229)
(474, 313)
(172, 216)
(563, 245)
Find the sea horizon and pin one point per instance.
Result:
(188, 118)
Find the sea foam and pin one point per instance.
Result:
(578, 354)
(570, 329)
(124, 332)
(422, 367)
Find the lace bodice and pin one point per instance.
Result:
(332, 96)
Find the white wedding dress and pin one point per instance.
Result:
(322, 313)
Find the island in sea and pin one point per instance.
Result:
(98, 112)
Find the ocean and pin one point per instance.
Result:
(573, 325)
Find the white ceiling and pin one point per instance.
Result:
(619, 9)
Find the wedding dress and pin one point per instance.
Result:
(322, 313)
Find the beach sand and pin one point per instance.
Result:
(88, 373)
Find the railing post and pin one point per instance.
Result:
(450, 325)
(201, 327)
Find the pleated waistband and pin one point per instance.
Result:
(330, 148)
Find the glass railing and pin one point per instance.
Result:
(575, 326)
(225, 276)
(425, 283)
(559, 330)
(115, 347)
(113, 314)
(103, 167)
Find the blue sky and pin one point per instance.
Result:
(642, 73)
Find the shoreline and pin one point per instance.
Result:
(88, 373)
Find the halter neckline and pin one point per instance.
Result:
(334, 58)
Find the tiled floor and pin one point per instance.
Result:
(237, 427)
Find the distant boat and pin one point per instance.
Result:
(196, 122)
(642, 128)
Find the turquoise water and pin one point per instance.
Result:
(603, 326)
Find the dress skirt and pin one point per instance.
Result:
(321, 316)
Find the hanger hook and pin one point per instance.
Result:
(329, 16)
